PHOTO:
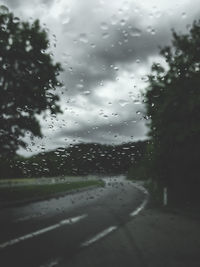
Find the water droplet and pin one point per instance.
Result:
(136, 102)
(120, 11)
(114, 20)
(86, 92)
(183, 15)
(16, 20)
(149, 29)
(5, 20)
(105, 35)
(145, 78)
(136, 10)
(93, 45)
(5, 66)
(4, 10)
(10, 41)
(83, 38)
(123, 102)
(134, 32)
(101, 83)
(80, 86)
(66, 20)
(3, 28)
(158, 14)
(137, 61)
(151, 15)
(104, 26)
(122, 22)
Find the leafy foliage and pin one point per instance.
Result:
(173, 103)
(28, 78)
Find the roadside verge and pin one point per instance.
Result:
(20, 195)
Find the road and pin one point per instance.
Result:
(52, 232)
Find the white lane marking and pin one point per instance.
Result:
(144, 203)
(141, 207)
(141, 188)
(42, 231)
(99, 236)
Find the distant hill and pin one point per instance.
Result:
(82, 159)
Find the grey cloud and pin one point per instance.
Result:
(120, 48)
(121, 124)
(116, 50)
(20, 3)
(92, 57)
(13, 4)
(113, 131)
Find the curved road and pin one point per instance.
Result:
(49, 233)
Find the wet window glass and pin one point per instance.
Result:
(99, 133)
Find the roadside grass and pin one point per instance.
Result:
(25, 192)
(17, 181)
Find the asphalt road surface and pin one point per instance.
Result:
(52, 232)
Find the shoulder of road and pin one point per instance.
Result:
(16, 203)
(155, 237)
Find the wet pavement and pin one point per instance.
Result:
(111, 226)
(38, 233)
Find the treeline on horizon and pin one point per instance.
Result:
(79, 159)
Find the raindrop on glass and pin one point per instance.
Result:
(183, 15)
(16, 20)
(86, 92)
(93, 45)
(83, 38)
(114, 20)
(134, 32)
(105, 35)
(136, 102)
(123, 102)
(66, 21)
(4, 10)
(104, 26)
(122, 22)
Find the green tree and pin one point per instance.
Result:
(173, 103)
(28, 78)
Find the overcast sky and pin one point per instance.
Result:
(106, 49)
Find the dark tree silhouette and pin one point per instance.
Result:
(173, 103)
(28, 78)
(80, 159)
